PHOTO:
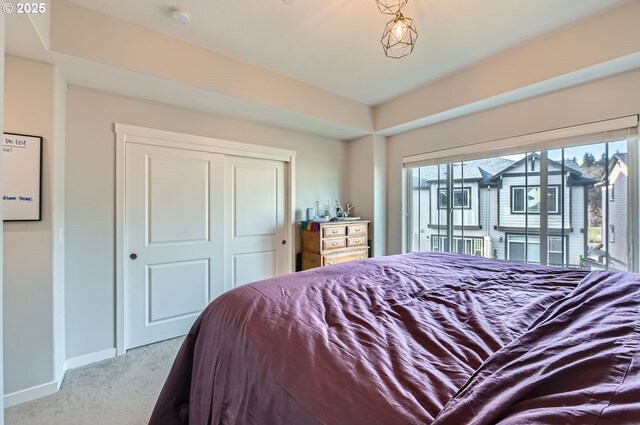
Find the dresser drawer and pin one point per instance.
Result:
(329, 244)
(356, 241)
(357, 230)
(345, 257)
(334, 231)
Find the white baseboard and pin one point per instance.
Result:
(49, 388)
(60, 374)
(98, 356)
(29, 394)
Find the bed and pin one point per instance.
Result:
(420, 338)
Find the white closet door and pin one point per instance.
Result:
(255, 231)
(173, 239)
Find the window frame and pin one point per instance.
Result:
(557, 200)
(612, 192)
(564, 250)
(464, 189)
(565, 254)
(437, 242)
(612, 233)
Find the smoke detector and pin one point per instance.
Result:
(181, 16)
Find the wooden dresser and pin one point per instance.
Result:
(336, 242)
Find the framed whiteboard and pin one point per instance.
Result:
(22, 199)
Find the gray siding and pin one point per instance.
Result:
(491, 211)
(509, 219)
(617, 217)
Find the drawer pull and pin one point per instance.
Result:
(361, 257)
(333, 232)
(334, 244)
(330, 262)
(357, 230)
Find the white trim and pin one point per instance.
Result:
(29, 394)
(291, 199)
(60, 375)
(120, 240)
(52, 387)
(406, 199)
(90, 358)
(550, 138)
(142, 135)
(208, 144)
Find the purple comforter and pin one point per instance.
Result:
(421, 338)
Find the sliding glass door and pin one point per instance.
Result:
(565, 206)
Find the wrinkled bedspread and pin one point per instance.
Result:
(421, 338)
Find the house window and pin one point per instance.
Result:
(436, 244)
(524, 249)
(518, 245)
(478, 247)
(556, 251)
(469, 246)
(530, 196)
(461, 198)
(612, 193)
(612, 233)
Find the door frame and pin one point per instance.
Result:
(148, 136)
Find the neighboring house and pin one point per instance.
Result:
(496, 210)
(614, 211)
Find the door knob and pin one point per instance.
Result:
(284, 242)
(133, 256)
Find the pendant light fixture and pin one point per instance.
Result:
(399, 36)
(391, 7)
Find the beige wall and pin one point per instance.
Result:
(28, 311)
(1, 215)
(366, 184)
(58, 219)
(599, 100)
(90, 193)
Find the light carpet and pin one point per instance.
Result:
(119, 391)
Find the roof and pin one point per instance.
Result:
(478, 169)
(488, 170)
(622, 157)
(617, 157)
(569, 164)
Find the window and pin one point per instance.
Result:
(518, 245)
(523, 248)
(612, 193)
(556, 251)
(469, 246)
(612, 233)
(461, 198)
(478, 248)
(533, 199)
(509, 216)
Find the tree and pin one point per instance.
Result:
(588, 160)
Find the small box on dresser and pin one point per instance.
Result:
(335, 242)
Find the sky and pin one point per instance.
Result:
(578, 151)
